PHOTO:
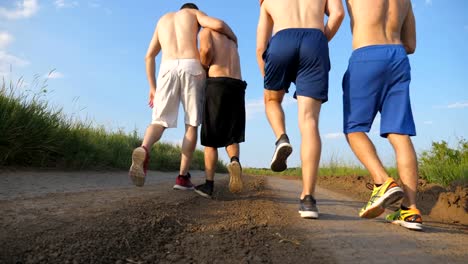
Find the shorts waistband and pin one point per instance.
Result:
(299, 30)
(378, 52)
(180, 61)
(226, 80)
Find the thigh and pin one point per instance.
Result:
(166, 100)
(363, 84)
(192, 97)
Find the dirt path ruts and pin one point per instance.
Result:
(87, 217)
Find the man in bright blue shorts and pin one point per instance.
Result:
(377, 80)
(298, 52)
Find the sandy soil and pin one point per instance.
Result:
(93, 217)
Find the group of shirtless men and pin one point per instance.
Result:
(292, 46)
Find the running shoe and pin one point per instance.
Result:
(183, 182)
(235, 177)
(308, 207)
(282, 151)
(140, 160)
(410, 218)
(384, 196)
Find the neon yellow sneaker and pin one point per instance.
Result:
(410, 219)
(388, 194)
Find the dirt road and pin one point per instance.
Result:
(89, 217)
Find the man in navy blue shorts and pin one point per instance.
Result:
(377, 80)
(298, 53)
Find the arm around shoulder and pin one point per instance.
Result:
(216, 25)
(206, 46)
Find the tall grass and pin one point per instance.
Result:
(333, 167)
(35, 134)
(444, 165)
(441, 165)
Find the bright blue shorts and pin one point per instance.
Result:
(298, 55)
(377, 80)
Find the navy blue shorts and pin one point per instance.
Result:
(377, 80)
(298, 55)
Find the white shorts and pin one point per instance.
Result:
(178, 81)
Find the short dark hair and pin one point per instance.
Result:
(189, 5)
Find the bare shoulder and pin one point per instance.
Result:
(206, 32)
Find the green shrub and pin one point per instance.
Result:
(444, 165)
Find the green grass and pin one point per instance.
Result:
(35, 134)
(441, 165)
(325, 170)
(444, 165)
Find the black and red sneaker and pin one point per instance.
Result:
(183, 182)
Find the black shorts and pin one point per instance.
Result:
(224, 112)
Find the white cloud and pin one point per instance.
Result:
(23, 9)
(458, 105)
(5, 39)
(54, 75)
(334, 135)
(254, 107)
(94, 4)
(428, 2)
(428, 122)
(257, 106)
(8, 61)
(65, 4)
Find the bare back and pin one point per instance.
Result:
(225, 61)
(375, 22)
(177, 33)
(296, 13)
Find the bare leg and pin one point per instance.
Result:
(366, 153)
(211, 157)
(152, 135)
(274, 111)
(311, 146)
(233, 150)
(407, 167)
(188, 147)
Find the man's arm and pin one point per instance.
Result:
(264, 30)
(408, 32)
(216, 25)
(335, 12)
(206, 46)
(150, 60)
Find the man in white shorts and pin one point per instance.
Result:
(181, 79)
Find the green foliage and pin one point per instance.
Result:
(34, 134)
(445, 165)
(334, 167)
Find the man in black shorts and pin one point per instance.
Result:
(223, 122)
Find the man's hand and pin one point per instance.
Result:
(151, 98)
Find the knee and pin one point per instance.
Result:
(273, 96)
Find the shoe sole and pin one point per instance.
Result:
(137, 172)
(390, 198)
(309, 214)
(235, 177)
(278, 162)
(182, 188)
(202, 194)
(411, 226)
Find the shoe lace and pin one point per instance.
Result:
(370, 186)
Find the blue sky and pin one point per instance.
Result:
(97, 48)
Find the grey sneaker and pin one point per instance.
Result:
(308, 207)
(282, 152)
